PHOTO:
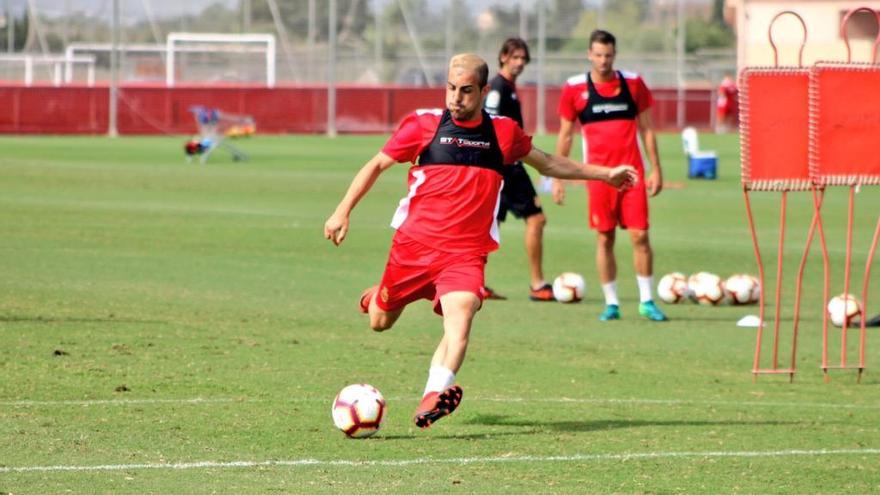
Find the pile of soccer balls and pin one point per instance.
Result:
(709, 289)
(740, 289)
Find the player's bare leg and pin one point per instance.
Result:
(540, 289)
(605, 260)
(643, 256)
(442, 396)
(606, 265)
(643, 262)
(379, 318)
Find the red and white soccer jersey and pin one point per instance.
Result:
(452, 207)
(608, 114)
(611, 142)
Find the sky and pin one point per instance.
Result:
(133, 10)
(172, 8)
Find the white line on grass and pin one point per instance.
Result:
(120, 402)
(627, 456)
(558, 400)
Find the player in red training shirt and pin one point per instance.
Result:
(613, 109)
(446, 224)
(725, 105)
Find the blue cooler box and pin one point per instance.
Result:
(703, 167)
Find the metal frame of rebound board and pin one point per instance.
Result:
(774, 141)
(844, 130)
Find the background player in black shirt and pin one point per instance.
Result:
(518, 195)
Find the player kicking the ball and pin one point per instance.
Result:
(446, 224)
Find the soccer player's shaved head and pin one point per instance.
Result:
(472, 63)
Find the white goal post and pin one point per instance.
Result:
(230, 43)
(61, 67)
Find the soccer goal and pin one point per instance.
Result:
(201, 57)
(54, 69)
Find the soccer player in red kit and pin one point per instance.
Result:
(446, 224)
(725, 105)
(613, 110)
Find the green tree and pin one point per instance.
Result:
(628, 20)
(352, 18)
(705, 34)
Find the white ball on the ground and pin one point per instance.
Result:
(743, 288)
(673, 287)
(569, 287)
(843, 308)
(707, 288)
(359, 410)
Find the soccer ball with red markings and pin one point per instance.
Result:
(568, 287)
(707, 288)
(359, 410)
(672, 288)
(743, 288)
(844, 308)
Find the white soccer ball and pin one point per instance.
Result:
(842, 308)
(743, 288)
(707, 288)
(569, 287)
(673, 287)
(358, 410)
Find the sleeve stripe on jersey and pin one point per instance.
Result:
(578, 79)
(435, 111)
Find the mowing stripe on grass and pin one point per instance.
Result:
(627, 456)
(555, 400)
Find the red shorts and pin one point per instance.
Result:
(415, 271)
(610, 207)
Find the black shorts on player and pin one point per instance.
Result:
(518, 195)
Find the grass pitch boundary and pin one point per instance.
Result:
(627, 456)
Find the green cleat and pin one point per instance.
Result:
(612, 312)
(650, 311)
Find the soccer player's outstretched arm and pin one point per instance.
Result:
(336, 227)
(564, 168)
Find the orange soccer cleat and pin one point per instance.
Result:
(544, 293)
(488, 293)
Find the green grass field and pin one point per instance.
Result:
(155, 315)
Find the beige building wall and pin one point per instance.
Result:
(822, 17)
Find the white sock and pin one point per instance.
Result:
(645, 287)
(439, 379)
(610, 291)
